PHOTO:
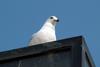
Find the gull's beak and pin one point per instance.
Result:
(57, 20)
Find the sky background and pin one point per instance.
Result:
(19, 19)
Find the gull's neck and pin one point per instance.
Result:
(48, 25)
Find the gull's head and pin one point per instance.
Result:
(53, 20)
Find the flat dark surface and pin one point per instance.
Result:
(41, 48)
(71, 52)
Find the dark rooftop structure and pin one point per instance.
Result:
(70, 52)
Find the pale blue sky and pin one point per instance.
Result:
(20, 18)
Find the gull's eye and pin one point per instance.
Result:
(51, 17)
